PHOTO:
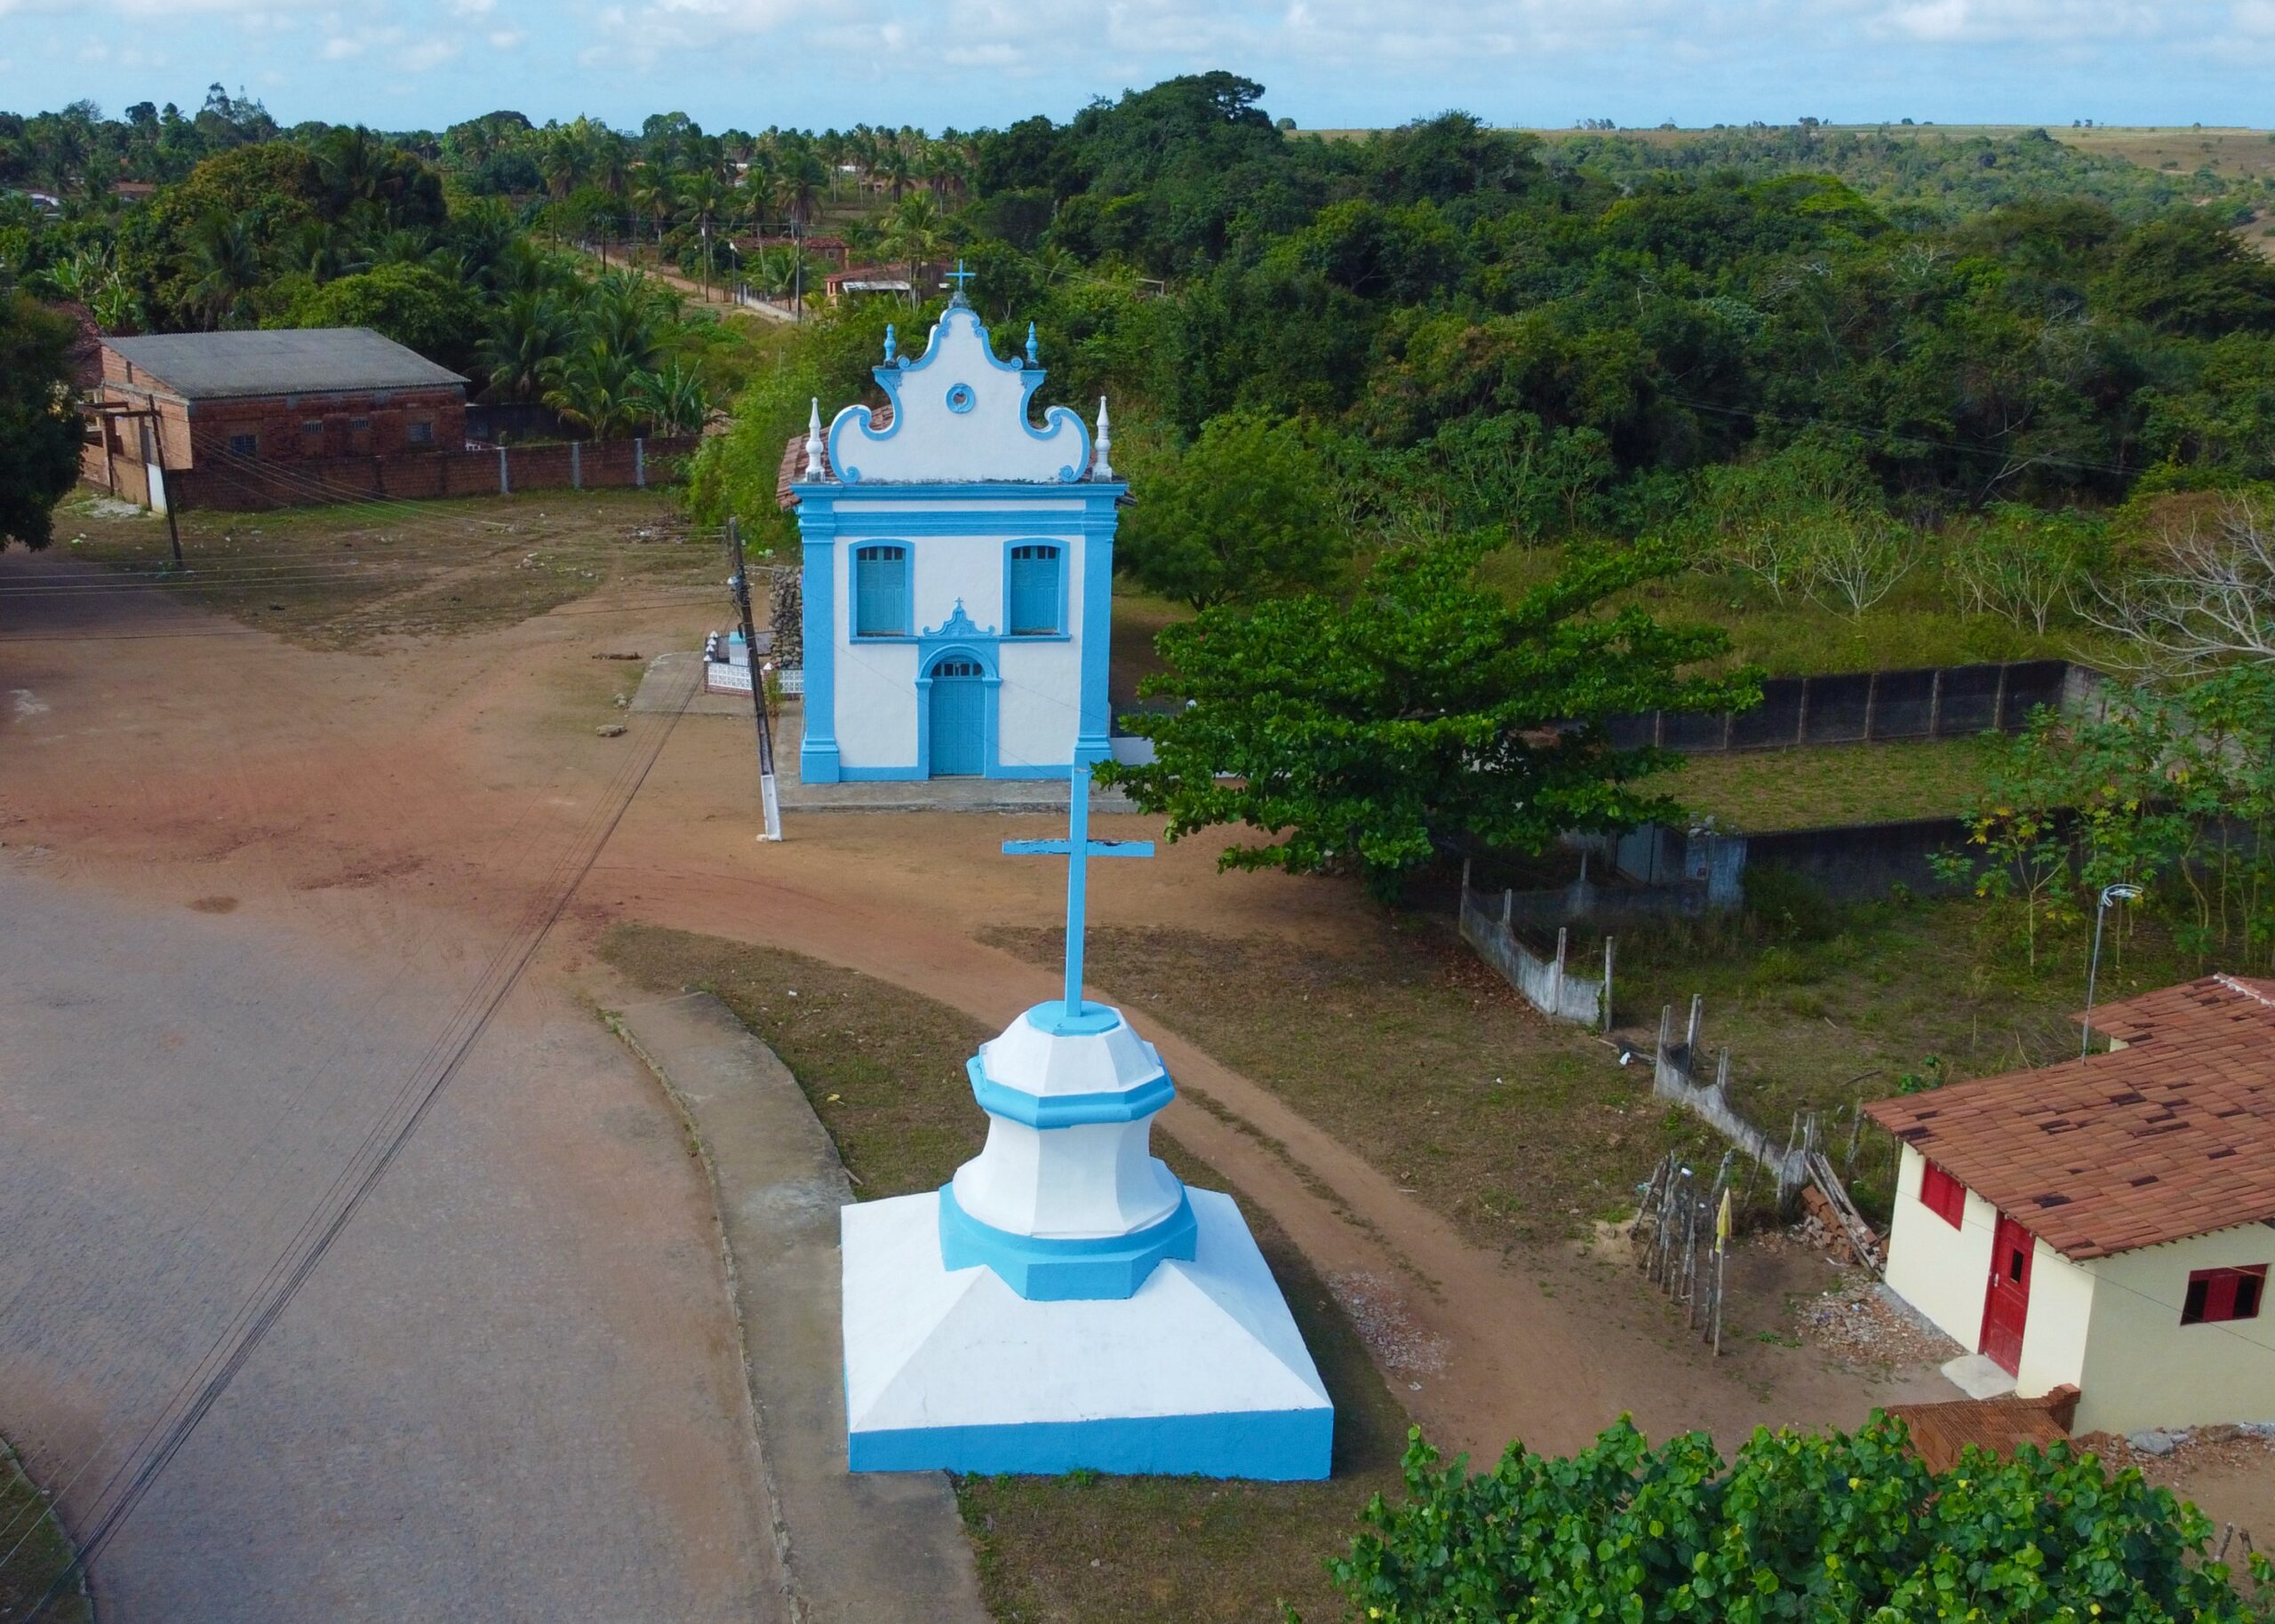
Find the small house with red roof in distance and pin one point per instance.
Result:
(2108, 1223)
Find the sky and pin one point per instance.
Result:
(1328, 64)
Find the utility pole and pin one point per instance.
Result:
(741, 584)
(797, 270)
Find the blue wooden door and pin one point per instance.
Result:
(959, 720)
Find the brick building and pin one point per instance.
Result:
(210, 405)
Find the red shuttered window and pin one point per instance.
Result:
(2217, 1294)
(1943, 1195)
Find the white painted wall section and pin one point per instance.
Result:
(2143, 1368)
(1938, 1269)
(2055, 1333)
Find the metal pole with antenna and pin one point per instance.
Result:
(768, 798)
(2109, 893)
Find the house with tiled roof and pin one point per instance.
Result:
(2108, 1223)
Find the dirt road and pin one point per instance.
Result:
(414, 775)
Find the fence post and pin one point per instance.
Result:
(1872, 703)
(1556, 974)
(640, 462)
(1604, 1012)
(576, 465)
(505, 484)
(1935, 706)
(1666, 1025)
(1464, 885)
(1999, 702)
(1690, 1039)
(1508, 909)
(1802, 715)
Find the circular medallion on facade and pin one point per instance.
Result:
(961, 397)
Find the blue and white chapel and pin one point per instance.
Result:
(958, 573)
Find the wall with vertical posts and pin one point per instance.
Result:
(1549, 985)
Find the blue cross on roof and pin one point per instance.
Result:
(1078, 849)
(960, 277)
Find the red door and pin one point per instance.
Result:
(2006, 1305)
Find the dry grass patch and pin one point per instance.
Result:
(884, 1070)
(342, 576)
(1398, 1041)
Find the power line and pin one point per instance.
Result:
(268, 1311)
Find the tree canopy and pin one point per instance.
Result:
(39, 423)
(1846, 1527)
(1428, 714)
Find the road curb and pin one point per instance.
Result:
(855, 1549)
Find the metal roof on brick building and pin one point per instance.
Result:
(202, 366)
(2172, 1135)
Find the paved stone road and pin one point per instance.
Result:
(512, 1392)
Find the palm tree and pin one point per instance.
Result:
(225, 269)
(914, 232)
(894, 169)
(705, 198)
(652, 198)
(803, 182)
(596, 387)
(671, 400)
(528, 334)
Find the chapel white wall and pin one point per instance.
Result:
(1039, 703)
(1938, 1269)
(2143, 1368)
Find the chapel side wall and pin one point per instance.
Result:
(2143, 1368)
(1938, 1269)
(2059, 1320)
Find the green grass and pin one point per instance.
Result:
(1919, 623)
(1827, 1006)
(1764, 790)
(884, 1070)
(46, 1552)
(341, 575)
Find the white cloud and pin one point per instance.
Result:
(506, 39)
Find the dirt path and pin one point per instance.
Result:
(416, 776)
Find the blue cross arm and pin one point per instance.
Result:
(1066, 848)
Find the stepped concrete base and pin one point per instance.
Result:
(1202, 1372)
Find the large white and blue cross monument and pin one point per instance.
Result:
(1064, 1302)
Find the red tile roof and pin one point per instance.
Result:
(2171, 1136)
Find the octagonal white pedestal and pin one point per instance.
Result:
(1202, 1370)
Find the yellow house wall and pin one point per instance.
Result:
(2055, 1335)
(1938, 1269)
(2143, 1368)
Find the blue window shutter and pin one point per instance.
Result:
(1035, 589)
(880, 591)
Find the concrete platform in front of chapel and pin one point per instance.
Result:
(1202, 1372)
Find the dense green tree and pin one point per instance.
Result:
(39, 422)
(1246, 513)
(418, 307)
(1426, 714)
(1835, 1526)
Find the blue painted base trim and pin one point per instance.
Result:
(1112, 1268)
(1050, 1110)
(818, 765)
(1275, 1446)
(837, 773)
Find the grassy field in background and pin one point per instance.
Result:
(25, 1577)
(339, 576)
(884, 1070)
(1761, 790)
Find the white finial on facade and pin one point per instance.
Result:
(1103, 468)
(813, 442)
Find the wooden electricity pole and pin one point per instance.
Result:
(766, 791)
